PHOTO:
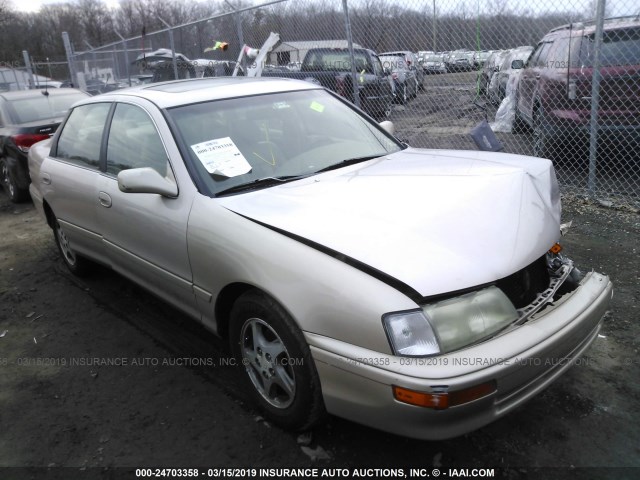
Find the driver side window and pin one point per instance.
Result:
(134, 142)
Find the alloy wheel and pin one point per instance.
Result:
(268, 363)
(65, 247)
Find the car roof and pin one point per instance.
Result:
(587, 28)
(183, 92)
(20, 94)
(398, 52)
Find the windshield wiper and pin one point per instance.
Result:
(347, 162)
(269, 181)
(260, 183)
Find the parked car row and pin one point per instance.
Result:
(491, 65)
(434, 63)
(453, 61)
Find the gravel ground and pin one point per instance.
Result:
(58, 408)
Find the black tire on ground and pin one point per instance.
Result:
(542, 144)
(403, 94)
(16, 194)
(76, 263)
(278, 368)
(519, 125)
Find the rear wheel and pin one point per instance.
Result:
(279, 370)
(77, 264)
(15, 193)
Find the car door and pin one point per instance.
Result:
(68, 177)
(530, 77)
(145, 234)
(381, 82)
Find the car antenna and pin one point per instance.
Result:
(45, 92)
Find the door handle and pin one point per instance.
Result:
(45, 178)
(104, 199)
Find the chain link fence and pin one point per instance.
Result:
(560, 80)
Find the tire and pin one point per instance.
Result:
(278, 369)
(386, 113)
(77, 264)
(403, 94)
(542, 145)
(16, 194)
(519, 125)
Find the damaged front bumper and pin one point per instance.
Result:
(358, 383)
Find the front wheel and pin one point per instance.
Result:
(542, 145)
(519, 125)
(77, 264)
(279, 370)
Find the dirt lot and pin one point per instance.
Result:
(60, 408)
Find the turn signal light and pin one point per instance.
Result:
(443, 400)
(557, 248)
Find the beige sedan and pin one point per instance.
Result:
(417, 291)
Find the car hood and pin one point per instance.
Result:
(437, 221)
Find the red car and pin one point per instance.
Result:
(27, 117)
(555, 91)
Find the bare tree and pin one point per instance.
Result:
(95, 20)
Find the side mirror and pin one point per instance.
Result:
(146, 180)
(517, 64)
(387, 71)
(388, 127)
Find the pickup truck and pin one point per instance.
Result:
(331, 68)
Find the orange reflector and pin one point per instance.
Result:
(557, 248)
(438, 401)
(441, 401)
(473, 393)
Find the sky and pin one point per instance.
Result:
(615, 7)
(34, 5)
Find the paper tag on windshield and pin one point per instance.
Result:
(220, 156)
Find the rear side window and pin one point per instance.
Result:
(619, 47)
(377, 66)
(81, 136)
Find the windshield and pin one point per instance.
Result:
(519, 54)
(43, 107)
(393, 62)
(336, 60)
(619, 47)
(240, 140)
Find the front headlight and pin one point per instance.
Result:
(450, 324)
(467, 319)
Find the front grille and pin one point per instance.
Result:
(523, 287)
